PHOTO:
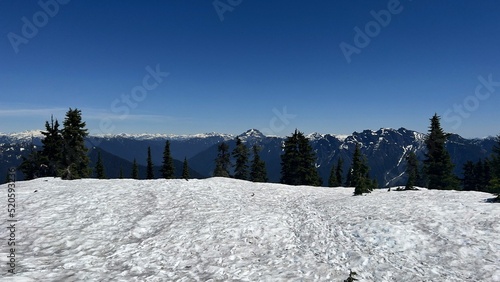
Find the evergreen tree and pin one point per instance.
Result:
(223, 161)
(494, 183)
(53, 144)
(185, 169)
(168, 169)
(135, 170)
(30, 165)
(298, 162)
(412, 168)
(258, 170)
(240, 153)
(120, 175)
(332, 180)
(75, 162)
(469, 178)
(438, 165)
(338, 172)
(99, 167)
(149, 169)
(360, 178)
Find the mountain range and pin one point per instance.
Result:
(386, 150)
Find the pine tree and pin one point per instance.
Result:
(75, 162)
(338, 172)
(168, 169)
(258, 170)
(438, 165)
(30, 165)
(185, 169)
(149, 169)
(99, 167)
(332, 180)
(120, 175)
(412, 168)
(360, 178)
(135, 170)
(298, 162)
(290, 161)
(223, 161)
(53, 144)
(469, 179)
(494, 183)
(240, 153)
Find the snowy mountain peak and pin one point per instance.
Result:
(24, 135)
(315, 136)
(252, 133)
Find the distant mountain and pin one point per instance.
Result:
(386, 150)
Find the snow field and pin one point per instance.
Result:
(229, 230)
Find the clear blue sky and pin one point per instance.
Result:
(232, 70)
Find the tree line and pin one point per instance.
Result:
(64, 154)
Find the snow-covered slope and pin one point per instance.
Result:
(223, 229)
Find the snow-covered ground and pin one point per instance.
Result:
(223, 229)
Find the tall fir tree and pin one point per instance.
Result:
(332, 180)
(149, 167)
(298, 162)
(494, 183)
(223, 161)
(360, 178)
(438, 165)
(240, 153)
(30, 166)
(99, 167)
(469, 178)
(167, 169)
(258, 171)
(338, 172)
(75, 162)
(120, 174)
(412, 170)
(185, 169)
(135, 170)
(52, 150)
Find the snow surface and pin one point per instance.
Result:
(224, 229)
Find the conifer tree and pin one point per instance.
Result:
(135, 170)
(185, 169)
(360, 178)
(53, 144)
(412, 168)
(99, 167)
(298, 162)
(438, 165)
(149, 169)
(30, 165)
(168, 169)
(494, 183)
(240, 153)
(223, 161)
(332, 180)
(338, 172)
(75, 162)
(120, 175)
(258, 170)
(469, 179)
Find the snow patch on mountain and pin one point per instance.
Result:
(222, 229)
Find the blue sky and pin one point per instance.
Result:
(230, 65)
